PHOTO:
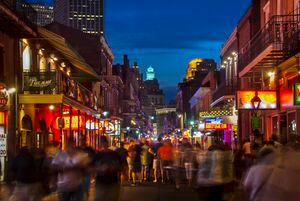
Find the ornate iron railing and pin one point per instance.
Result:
(224, 90)
(58, 83)
(279, 32)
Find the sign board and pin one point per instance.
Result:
(255, 122)
(2, 142)
(34, 81)
(215, 126)
(215, 120)
(268, 99)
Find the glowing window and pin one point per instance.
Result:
(26, 59)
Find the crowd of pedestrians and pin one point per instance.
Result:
(253, 172)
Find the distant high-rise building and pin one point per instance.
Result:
(199, 67)
(150, 74)
(85, 15)
(44, 14)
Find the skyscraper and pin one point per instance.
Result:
(85, 15)
(44, 14)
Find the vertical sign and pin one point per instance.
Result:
(2, 142)
(297, 94)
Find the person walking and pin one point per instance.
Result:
(145, 160)
(107, 166)
(216, 172)
(70, 164)
(24, 169)
(165, 154)
(156, 161)
(123, 154)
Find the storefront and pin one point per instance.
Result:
(218, 125)
(4, 98)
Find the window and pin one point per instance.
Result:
(26, 56)
(43, 64)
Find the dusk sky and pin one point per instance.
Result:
(168, 33)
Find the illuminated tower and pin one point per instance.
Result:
(150, 74)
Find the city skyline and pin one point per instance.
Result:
(158, 36)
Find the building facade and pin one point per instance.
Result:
(86, 16)
(45, 14)
(133, 118)
(268, 47)
(152, 96)
(197, 70)
(14, 26)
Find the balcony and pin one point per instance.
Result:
(275, 42)
(58, 83)
(223, 92)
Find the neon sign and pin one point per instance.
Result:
(216, 126)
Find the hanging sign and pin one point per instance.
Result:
(2, 142)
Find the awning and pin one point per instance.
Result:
(82, 69)
(53, 99)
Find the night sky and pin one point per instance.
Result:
(168, 33)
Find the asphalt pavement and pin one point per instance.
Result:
(142, 192)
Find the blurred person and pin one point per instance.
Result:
(216, 171)
(185, 161)
(145, 160)
(70, 165)
(24, 168)
(85, 186)
(123, 153)
(156, 161)
(137, 163)
(247, 152)
(107, 166)
(130, 160)
(51, 176)
(165, 154)
(258, 176)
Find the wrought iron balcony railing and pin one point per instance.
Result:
(224, 90)
(58, 83)
(280, 32)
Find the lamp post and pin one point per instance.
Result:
(255, 120)
(255, 101)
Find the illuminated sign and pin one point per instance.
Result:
(3, 95)
(74, 123)
(214, 120)
(216, 126)
(268, 99)
(297, 94)
(90, 125)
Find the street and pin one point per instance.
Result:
(143, 192)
